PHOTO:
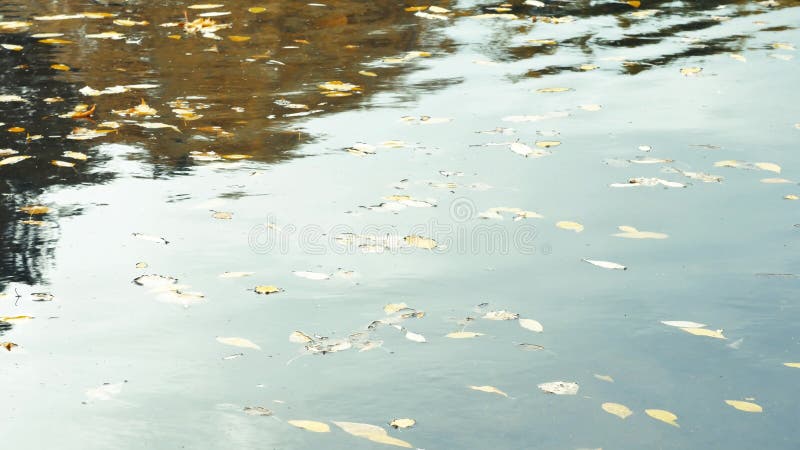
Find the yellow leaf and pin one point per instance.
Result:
(553, 90)
(463, 335)
(339, 86)
(63, 67)
(662, 415)
(727, 163)
(129, 23)
(489, 389)
(239, 38)
(55, 41)
(310, 425)
(256, 9)
(791, 197)
(372, 433)
(12, 47)
(617, 409)
(177, 37)
(15, 318)
(267, 289)
(690, 71)
(402, 423)
(141, 265)
(416, 8)
(547, 144)
(794, 365)
(236, 156)
(572, 226)
(367, 73)
(745, 406)
(588, 67)
(238, 342)
(16, 130)
(8, 345)
(772, 167)
(717, 334)
(634, 3)
(35, 210)
(420, 242)
(59, 163)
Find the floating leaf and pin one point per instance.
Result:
(157, 125)
(15, 318)
(420, 242)
(8, 345)
(402, 423)
(142, 265)
(372, 433)
(113, 35)
(312, 275)
(310, 425)
(147, 237)
(257, 411)
(75, 155)
(256, 9)
(59, 163)
(501, 315)
(238, 342)
(13, 160)
(12, 47)
(791, 197)
(617, 409)
(530, 324)
(772, 167)
(392, 308)
(489, 389)
(572, 226)
(553, 90)
(630, 232)
(662, 415)
(560, 387)
(606, 378)
(236, 38)
(775, 181)
(794, 365)
(745, 406)
(222, 215)
(463, 335)
(35, 210)
(605, 264)
(367, 73)
(683, 324)
(298, 337)
(547, 144)
(415, 337)
(55, 41)
(717, 334)
(62, 67)
(235, 274)
(690, 71)
(267, 289)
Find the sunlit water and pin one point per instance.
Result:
(111, 364)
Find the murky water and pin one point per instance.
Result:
(456, 177)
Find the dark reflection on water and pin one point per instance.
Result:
(239, 88)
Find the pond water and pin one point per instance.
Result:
(279, 211)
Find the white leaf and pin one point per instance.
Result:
(530, 324)
(606, 264)
(683, 324)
